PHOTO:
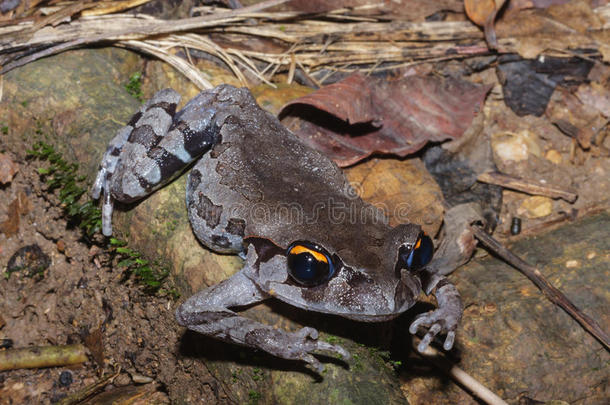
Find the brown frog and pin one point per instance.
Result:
(307, 239)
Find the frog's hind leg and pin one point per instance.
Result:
(152, 149)
(208, 312)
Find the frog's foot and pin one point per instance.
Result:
(443, 320)
(297, 346)
(104, 177)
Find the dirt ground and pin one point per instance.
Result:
(81, 297)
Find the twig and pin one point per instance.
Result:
(526, 186)
(42, 356)
(552, 293)
(460, 376)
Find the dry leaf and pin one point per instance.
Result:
(8, 168)
(359, 116)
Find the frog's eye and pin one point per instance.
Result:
(419, 255)
(308, 264)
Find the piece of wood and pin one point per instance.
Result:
(526, 186)
(42, 356)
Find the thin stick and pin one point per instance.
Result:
(552, 293)
(460, 376)
(529, 187)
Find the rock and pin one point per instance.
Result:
(509, 146)
(536, 207)
(528, 346)
(554, 156)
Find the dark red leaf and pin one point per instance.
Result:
(359, 116)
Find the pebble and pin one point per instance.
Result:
(65, 378)
(141, 379)
(509, 146)
(536, 207)
(553, 155)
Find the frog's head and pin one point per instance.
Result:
(375, 280)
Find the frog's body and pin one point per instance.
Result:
(262, 191)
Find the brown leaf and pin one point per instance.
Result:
(359, 116)
(95, 344)
(479, 11)
(8, 168)
(561, 26)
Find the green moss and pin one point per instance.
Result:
(254, 397)
(134, 86)
(83, 213)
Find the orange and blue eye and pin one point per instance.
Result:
(309, 264)
(419, 255)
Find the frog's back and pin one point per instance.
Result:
(262, 177)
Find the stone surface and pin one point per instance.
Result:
(514, 340)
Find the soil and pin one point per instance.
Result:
(82, 297)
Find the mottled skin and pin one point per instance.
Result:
(257, 190)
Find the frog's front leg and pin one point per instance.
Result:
(444, 319)
(153, 148)
(207, 312)
(456, 249)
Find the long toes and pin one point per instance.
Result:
(421, 319)
(313, 362)
(425, 342)
(327, 347)
(307, 332)
(449, 341)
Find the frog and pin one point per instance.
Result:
(306, 237)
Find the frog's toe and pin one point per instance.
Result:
(425, 342)
(336, 349)
(309, 336)
(308, 332)
(107, 208)
(437, 323)
(449, 340)
(313, 362)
